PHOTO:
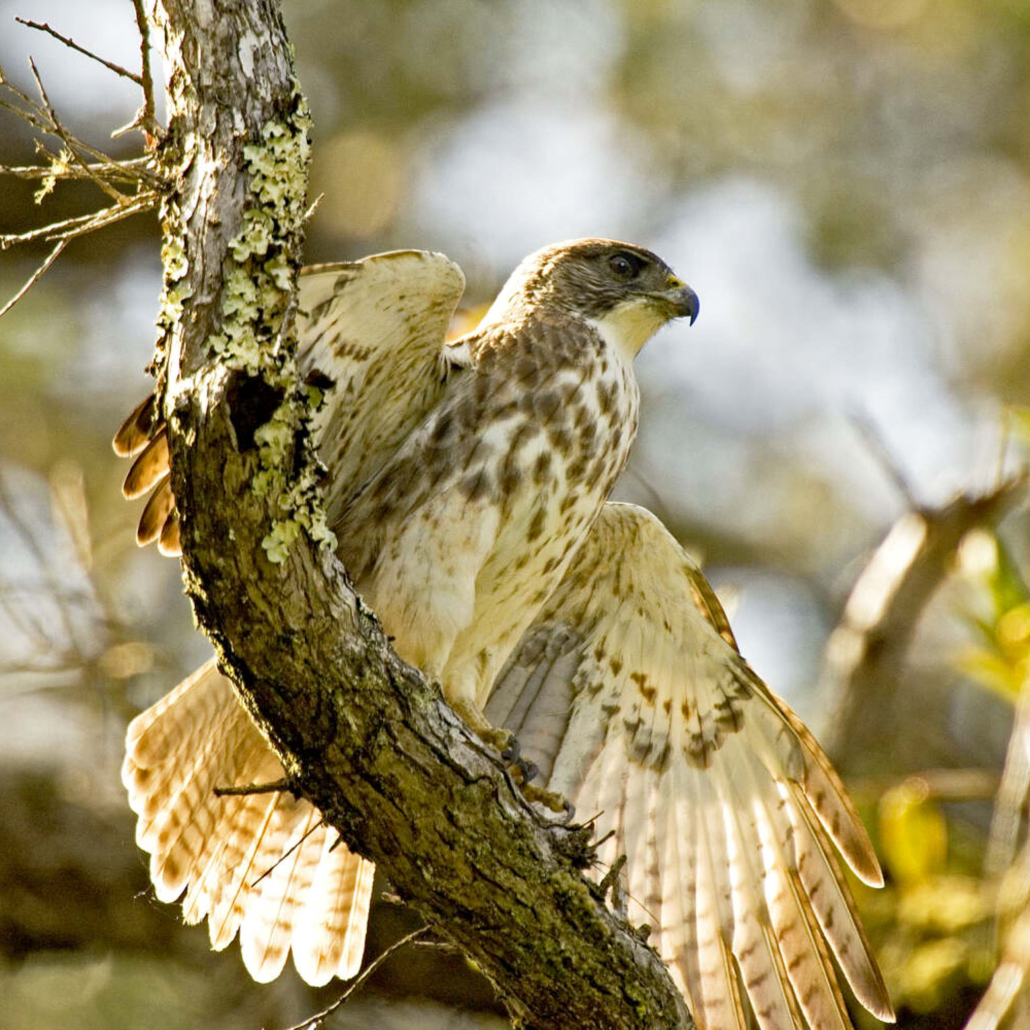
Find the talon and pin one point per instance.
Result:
(509, 752)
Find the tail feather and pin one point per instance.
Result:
(256, 864)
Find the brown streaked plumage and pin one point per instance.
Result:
(468, 490)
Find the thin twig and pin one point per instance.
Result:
(82, 224)
(286, 854)
(878, 448)
(1007, 819)
(253, 788)
(117, 69)
(69, 140)
(35, 548)
(130, 167)
(54, 230)
(35, 277)
(1004, 432)
(38, 118)
(149, 118)
(319, 1018)
(22, 619)
(110, 215)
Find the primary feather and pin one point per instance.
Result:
(721, 800)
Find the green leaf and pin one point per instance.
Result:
(913, 832)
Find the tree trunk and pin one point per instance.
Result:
(360, 733)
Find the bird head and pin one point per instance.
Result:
(625, 292)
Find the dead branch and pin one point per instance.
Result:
(145, 119)
(317, 1020)
(36, 276)
(128, 170)
(866, 651)
(79, 160)
(68, 140)
(72, 45)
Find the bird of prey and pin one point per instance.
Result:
(468, 488)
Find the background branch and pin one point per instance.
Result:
(866, 652)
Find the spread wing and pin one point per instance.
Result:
(630, 695)
(372, 336)
(264, 864)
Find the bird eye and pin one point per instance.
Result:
(624, 265)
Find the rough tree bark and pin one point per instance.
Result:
(361, 734)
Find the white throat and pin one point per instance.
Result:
(628, 326)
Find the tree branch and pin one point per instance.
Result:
(36, 276)
(360, 733)
(866, 651)
(72, 45)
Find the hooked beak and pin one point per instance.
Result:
(681, 299)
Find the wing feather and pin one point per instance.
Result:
(375, 328)
(753, 944)
(260, 864)
(718, 982)
(723, 803)
(159, 506)
(835, 909)
(135, 432)
(150, 467)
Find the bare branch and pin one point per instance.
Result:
(82, 224)
(71, 44)
(146, 118)
(878, 448)
(46, 122)
(289, 851)
(867, 649)
(68, 140)
(319, 1018)
(253, 788)
(36, 549)
(1012, 793)
(129, 170)
(1009, 978)
(36, 276)
(109, 215)
(67, 230)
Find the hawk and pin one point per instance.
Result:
(468, 486)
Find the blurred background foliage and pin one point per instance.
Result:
(846, 184)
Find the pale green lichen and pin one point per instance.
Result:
(256, 236)
(277, 544)
(173, 257)
(254, 300)
(279, 269)
(274, 440)
(175, 296)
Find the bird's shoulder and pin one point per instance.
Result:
(537, 339)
